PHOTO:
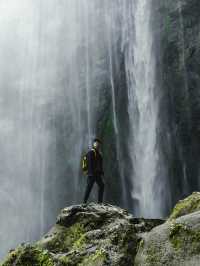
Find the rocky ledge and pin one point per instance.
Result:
(87, 234)
(102, 234)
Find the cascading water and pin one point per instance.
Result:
(52, 70)
(143, 110)
(41, 115)
(56, 57)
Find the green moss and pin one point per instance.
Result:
(27, 256)
(167, 24)
(177, 229)
(80, 242)
(94, 259)
(109, 128)
(186, 206)
(66, 239)
(181, 236)
(65, 260)
(153, 256)
(98, 258)
(141, 244)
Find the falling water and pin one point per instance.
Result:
(143, 110)
(53, 65)
(56, 56)
(87, 33)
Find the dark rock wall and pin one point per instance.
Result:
(177, 27)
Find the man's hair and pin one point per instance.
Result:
(98, 140)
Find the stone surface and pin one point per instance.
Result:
(103, 234)
(86, 234)
(176, 27)
(176, 242)
(187, 205)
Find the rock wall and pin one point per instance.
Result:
(177, 26)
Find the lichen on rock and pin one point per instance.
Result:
(186, 206)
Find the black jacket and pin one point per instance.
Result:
(95, 163)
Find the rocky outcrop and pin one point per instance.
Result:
(186, 206)
(103, 234)
(87, 234)
(177, 241)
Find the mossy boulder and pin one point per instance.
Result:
(103, 234)
(186, 206)
(86, 235)
(174, 243)
(28, 255)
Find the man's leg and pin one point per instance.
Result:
(90, 182)
(101, 188)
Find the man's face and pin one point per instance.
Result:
(96, 145)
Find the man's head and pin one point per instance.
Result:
(97, 143)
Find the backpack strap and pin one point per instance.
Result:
(94, 152)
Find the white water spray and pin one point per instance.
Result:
(143, 110)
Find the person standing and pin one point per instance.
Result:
(95, 171)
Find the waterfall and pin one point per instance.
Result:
(42, 128)
(58, 58)
(53, 68)
(88, 88)
(143, 110)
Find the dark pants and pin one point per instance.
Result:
(90, 183)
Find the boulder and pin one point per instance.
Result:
(86, 234)
(175, 243)
(103, 234)
(186, 206)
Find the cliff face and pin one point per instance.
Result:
(103, 234)
(176, 25)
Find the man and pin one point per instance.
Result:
(95, 171)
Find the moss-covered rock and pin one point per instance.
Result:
(186, 206)
(86, 235)
(27, 255)
(102, 234)
(174, 243)
(183, 236)
(62, 239)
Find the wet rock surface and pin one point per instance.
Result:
(186, 206)
(177, 241)
(104, 234)
(86, 234)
